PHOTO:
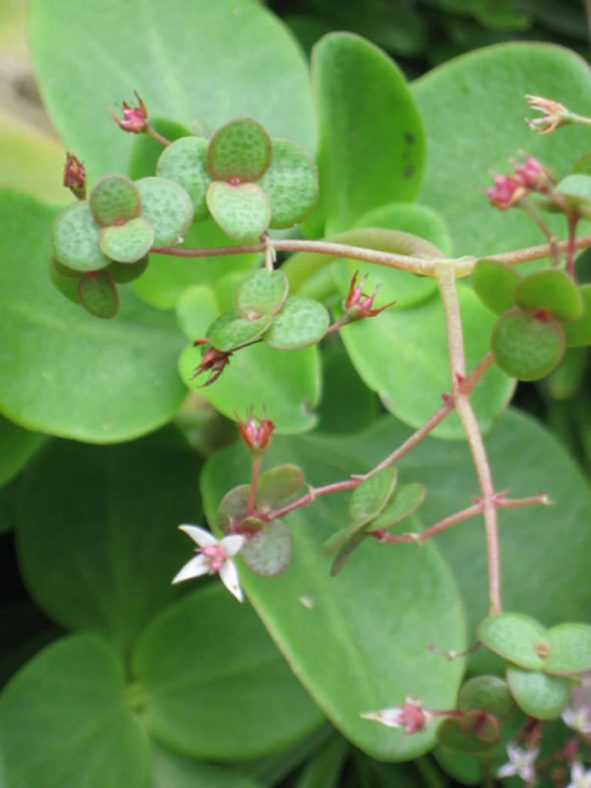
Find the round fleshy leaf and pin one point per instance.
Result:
(493, 283)
(551, 290)
(406, 500)
(240, 149)
(489, 693)
(243, 212)
(232, 508)
(527, 347)
(65, 283)
(541, 696)
(269, 551)
(184, 161)
(302, 322)
(477, 732)
(127, 272)
(127, 243)
(515, 637)
(98, 294)
(569, 649)
(167, 207)
(263, 293)
(290, 183)
(578, 333)
(372, 495)
(577, 189)
(114, 199)
(75, 238)
(230, 332)
(277, 486)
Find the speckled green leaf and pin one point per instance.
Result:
(578, 333)
(229, 331)
(268, 552)
(75, 239)
(184, 161)
(243, 211)
(551, 290)
(494, 284)
(262, 293)
(98, 294)
(405, 501)
(167, 207)
(538, 695)
(290, 183)
(372, 495)
(301, 322)
(241, 149)
(114, 199)
(515, 637)
(569, 649)
(489, 693)
(525, 346)
(278, 485)
(127, 243)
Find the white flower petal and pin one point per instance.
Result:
(199, 535)
(232, 544)
(229, 577)
(388, 717)
(194, 568)
(508, 770)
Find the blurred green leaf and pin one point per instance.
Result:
(191, 58)
(17, 446)
(63, 371)
(214, 683)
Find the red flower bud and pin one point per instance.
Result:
(256, 433)
(358, 304)
(75, 176)
(135, 119)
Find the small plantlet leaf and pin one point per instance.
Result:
(489, 693)
(518, 638)
(230, 332)
(569, 649)
(67, 284)
(577, 189)
(241, 149)
(127, 243)
(184, 161)
(75, 238)
(243, 212)
(269, 551)
(578, 332)
(123, 273)
(551, 290)
(538, 695)
(372, 496)
(302, 322)
(98, 294)
(114, 199)
(290, 183)
(493, 283)
(476, 733)
(277, 486)
(233, 508)
(263, 293)
(167, 207)
(526, 346)
(405, 501)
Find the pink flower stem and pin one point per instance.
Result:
(336, 326)
(151, 132)
(256, 460)
(446, 280)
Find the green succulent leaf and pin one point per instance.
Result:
(405, 501)
(262, 293)
(184, 162)
(114, 199)
(300, 323)
(241, 149)
(278, 485)
(527, 346)
(489, 693)
(569, 647)
(494, 284)
(577, 189)
(127, 243)
(516, 637)
(97, 293)
(75, 238)
(578, 332)
(123, 273)
(230, 332)
(193, 674)
(167, 207)
(242, 211)
(538, 695)
(477, 733)
(551, 290)
(17, 447)
(268, 552)
(65, 280)
(372, 496)
(64, 720)
(290, 183)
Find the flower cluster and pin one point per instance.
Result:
(527, 176)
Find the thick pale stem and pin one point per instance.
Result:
(447, 286)
(462, 266)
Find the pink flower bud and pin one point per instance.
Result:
(256, 433)
(75, 176)
(411, 716)
(508, 191)
(358, 304)
(135, 119)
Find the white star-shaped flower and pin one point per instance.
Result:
(213, 556)
(578, 718)
(521, 763)
(579, 778)
(411, 716)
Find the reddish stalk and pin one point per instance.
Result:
(151, 132)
